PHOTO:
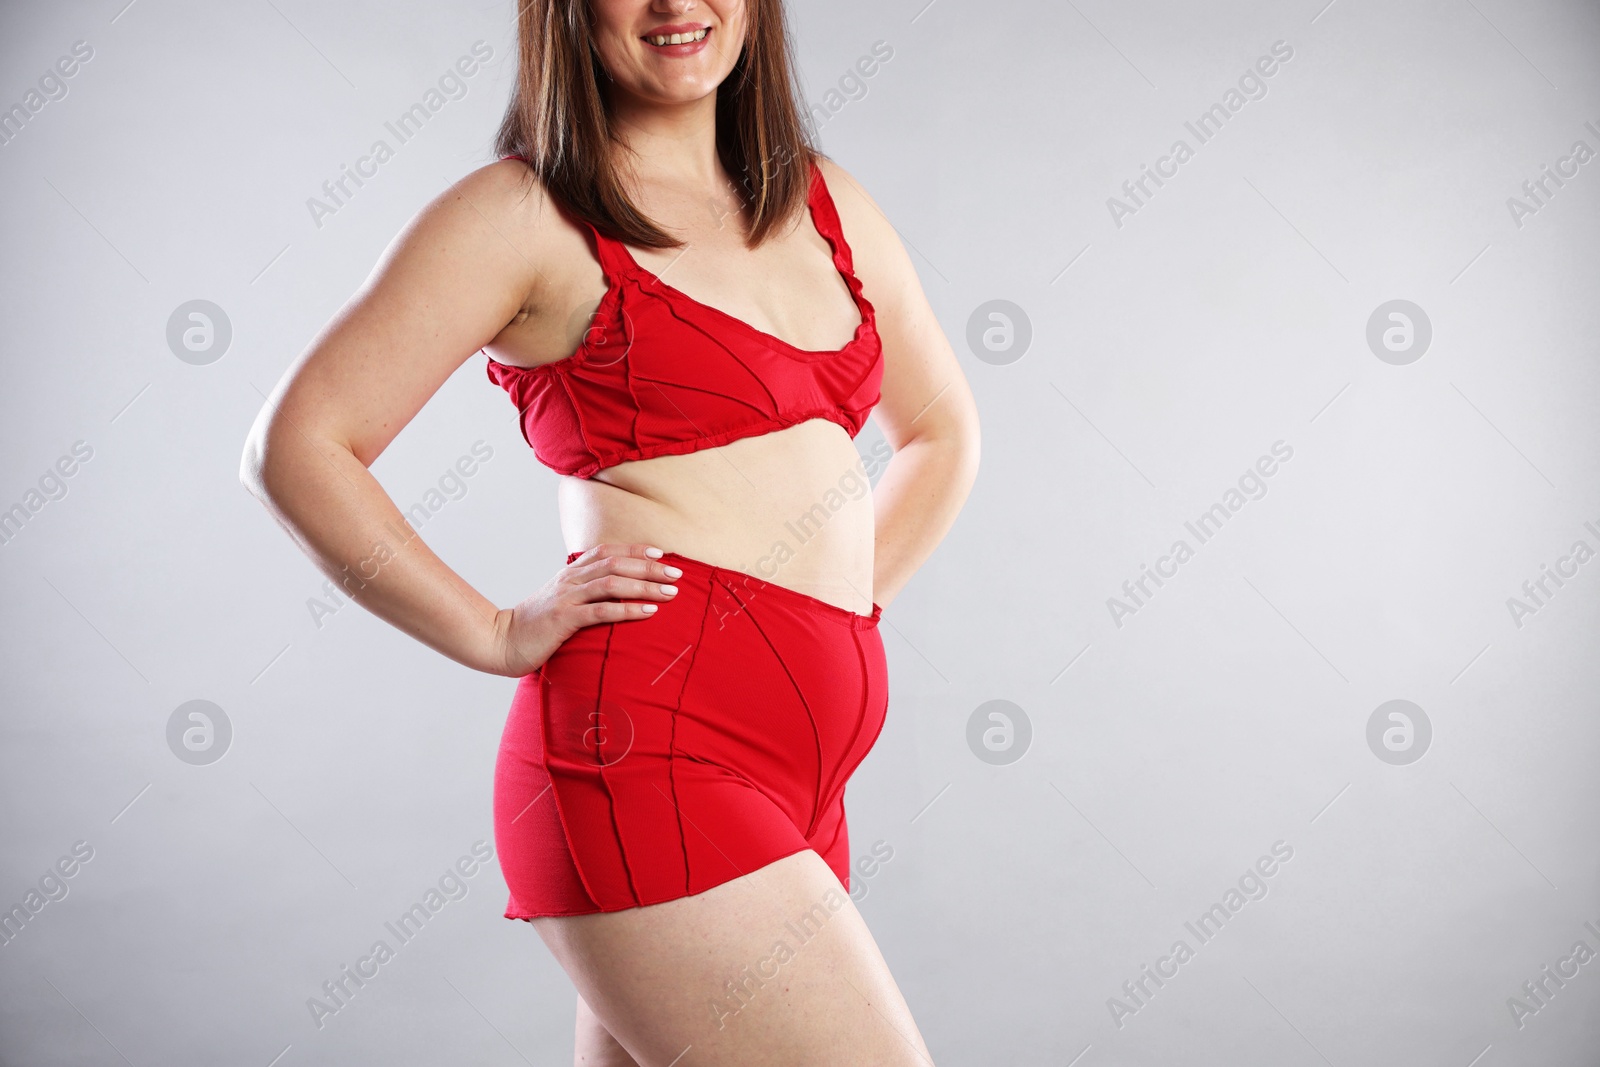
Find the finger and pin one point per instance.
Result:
(640, 551)
(617, 587)
(628, 567)
(601, 611)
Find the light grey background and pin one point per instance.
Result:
(1168, 753)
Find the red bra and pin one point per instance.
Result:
(659, 373)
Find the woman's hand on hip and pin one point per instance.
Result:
(607, 583)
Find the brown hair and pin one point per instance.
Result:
(559, 121)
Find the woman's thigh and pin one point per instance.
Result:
(773, 968)
(594, 1045)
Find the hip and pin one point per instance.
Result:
(735, 673)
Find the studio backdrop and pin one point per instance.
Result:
(1248, 715)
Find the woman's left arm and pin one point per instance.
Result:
(927, 413)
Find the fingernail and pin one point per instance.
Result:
(649, 608)
(670, 590)
(673, 572)
(654, 553)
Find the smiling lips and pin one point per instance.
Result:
(678, 40)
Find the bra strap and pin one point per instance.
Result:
(614, 259)
(826, 217)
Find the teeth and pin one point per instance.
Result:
(678, 38)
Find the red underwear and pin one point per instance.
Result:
(653, 759)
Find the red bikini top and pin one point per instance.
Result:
(659, 373)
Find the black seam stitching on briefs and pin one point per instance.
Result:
(611, 800)
(842, 773)
(861, 716)
(882, 723)
(836, 831)
(709, 841)
(835, 839)
(723, 768)
(816, 802)
(672, 742)
(545, 686)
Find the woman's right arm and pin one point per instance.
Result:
(445, 287)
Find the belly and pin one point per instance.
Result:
(793, 507)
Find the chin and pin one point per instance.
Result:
(683, 91)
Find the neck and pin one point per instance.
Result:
(671, 144)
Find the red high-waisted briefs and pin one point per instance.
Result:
(653, 759)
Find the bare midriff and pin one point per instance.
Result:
(792, 507)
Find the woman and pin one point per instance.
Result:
(702, 676)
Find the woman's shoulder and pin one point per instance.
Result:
(506, 192)
(874, 244)
(499, 215)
